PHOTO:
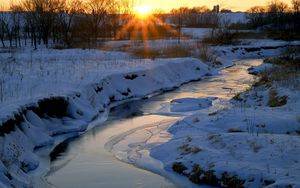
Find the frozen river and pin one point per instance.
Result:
(92, 160)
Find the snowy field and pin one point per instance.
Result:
(27, 74)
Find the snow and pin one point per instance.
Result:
(197, 33)
(234, 17)
(256, 70)
(84, 84)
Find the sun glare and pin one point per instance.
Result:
(143, 11)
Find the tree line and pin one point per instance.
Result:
(194, 17)
(276, 16)
(64, 22)
(71, 22)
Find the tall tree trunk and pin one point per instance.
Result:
(2, 41)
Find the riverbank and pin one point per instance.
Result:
(254, 142)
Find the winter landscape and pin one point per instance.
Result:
(146, 94)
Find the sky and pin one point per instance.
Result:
(236, 5)
(166, 5)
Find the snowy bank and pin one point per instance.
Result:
(253, 142)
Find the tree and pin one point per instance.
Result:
(2, 26)
(296, 5)
(277, 7)
(256, 16)
(7, 29)
(66, 19)
(202, 9)
(41, 16)
(277, 14)
(97, 12)
(16, 13)
(296, 16)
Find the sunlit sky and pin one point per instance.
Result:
(236, 5)
(166, 5)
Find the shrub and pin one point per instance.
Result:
(204, 53)
(187, 149)
(210, 178)
(178, 167)
(195, 174)
(275, 100)
(8, 175)
(221, 36)
(231, 181)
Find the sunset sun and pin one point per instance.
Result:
(143, 11)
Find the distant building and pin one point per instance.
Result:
(216, 9)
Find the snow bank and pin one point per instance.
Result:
(251, 49)
(251, 144)
(260, 69)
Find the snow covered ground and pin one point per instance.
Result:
(48, 96)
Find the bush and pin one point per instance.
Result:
(275, 100)
(204, 53)
(210, 178)
(178, 167)
(222, 36)
(195, 174)
(231, 181)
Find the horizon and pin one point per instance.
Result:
(167, 5)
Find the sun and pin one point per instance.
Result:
(143, 11)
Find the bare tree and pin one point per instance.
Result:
(178, 15)
(256, 16)
(16, 14)
(97, 13)
(66, 19)
(41, 16)
(7, 26)
(296, 5)
(2, 26)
